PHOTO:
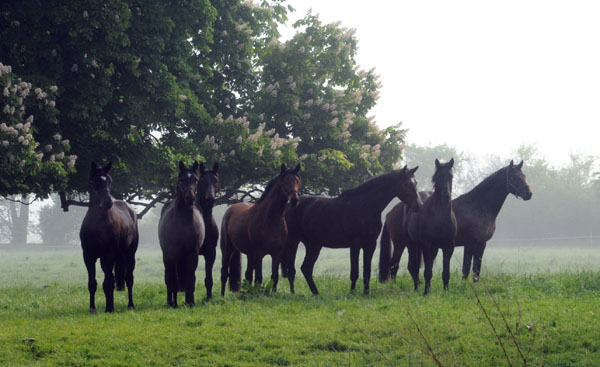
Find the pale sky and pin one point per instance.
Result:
(481, 76)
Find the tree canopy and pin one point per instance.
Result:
(147, 83)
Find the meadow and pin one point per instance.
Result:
(535, 306)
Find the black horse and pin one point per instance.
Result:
(433, 227)
(181, 235)
(205, 199)
(353, 219)
(109, 232)
(475, 212)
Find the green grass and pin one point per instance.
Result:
(550, 301)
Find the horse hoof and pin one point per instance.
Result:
(475, 278)
(92, 311)
(132, 307)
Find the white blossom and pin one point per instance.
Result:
(290, 79)
(333, 122)
(20, 139)
(219, 118)
(85, 14)
(51, 159)
(293, 86)
(301, 50)
(309, 102)
(60, 155)
(52, 104)
(66, 142)
(274, 93)
(303, 157)
(306, 116)
(74, 68)
(5, 93)
(239, 140)
(54, 88)
(277, 153)
(5, 143)
(232, 153)
(40, 156)
(182, 97)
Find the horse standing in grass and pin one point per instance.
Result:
(353, 219)
(205, 199)
(109, 232)
(258, 229)
(476, 213)
(181, 235)
(433, 227)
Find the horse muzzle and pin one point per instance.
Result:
(294, 200)
(527, 194)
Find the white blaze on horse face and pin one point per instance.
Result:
(103, 178)
(189, 175)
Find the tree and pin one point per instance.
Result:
(145, 84)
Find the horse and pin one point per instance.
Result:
(258, 229)
(352, 219)
(109, 232)
(181, 234)
(433, 227)
(207, 188)
(475, 212)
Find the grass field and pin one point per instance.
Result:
(550, 299)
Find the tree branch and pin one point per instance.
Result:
(150, 205)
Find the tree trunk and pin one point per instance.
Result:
(19, 223)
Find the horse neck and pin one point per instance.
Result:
(376, 196)
(273, 205)
(180, 204)
(442, 197)
(206, 209)
(491, 195)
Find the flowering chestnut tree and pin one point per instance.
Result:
(145, 84)
(30, 164)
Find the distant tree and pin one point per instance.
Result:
(466, 172)
(57, 228)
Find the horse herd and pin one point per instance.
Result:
(280, 219)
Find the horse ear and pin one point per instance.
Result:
(405, 168)
(108, 167)
(437, 163)
(451, 162)
(511, 164)
(520, 165)
(195, 166)
(202, 168)
(216, 167)
(297, 169)
(282, 168)
(181, 166)
(412, 171)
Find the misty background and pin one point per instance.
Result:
(564, 210)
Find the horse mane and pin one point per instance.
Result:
(365, 187)
(487, 182)
(267, 189)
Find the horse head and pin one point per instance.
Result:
(516, 183)
(100, 182)
(208, 185)
(442, 178)
(187, 183)
(408, 188)
(290, 183)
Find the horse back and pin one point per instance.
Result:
(115, 229)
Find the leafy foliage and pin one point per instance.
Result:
(145, 84)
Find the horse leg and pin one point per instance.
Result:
(367, 258)
(130, 266)
(395, 263)
(447, 252)
(107, 263)
(90, 264)
(467, 258)
(258, 275)
(171, 281)
(308, 265)
(289, 258)
(429, 255)
(354, 253)
(250, 268)
(414, 262)
(191, 264)
(209, 261)
(275, 260)
(477, 257)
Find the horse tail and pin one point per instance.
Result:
(385, 255)
(120, 272)
(235, 272)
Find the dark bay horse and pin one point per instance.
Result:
(433, 227)
(109, 232)
(475, 212)
(352, 219)
(181, 235)
(259, 229)
(205, 200)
